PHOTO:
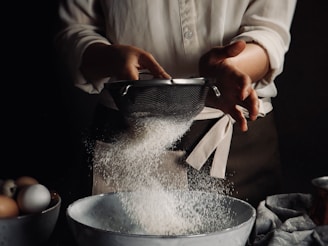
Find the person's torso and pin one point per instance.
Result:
(177, 42)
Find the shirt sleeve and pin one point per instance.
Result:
(267, 23)
(81, 24)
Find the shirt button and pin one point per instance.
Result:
(188, 34)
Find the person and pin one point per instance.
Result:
(240, 45)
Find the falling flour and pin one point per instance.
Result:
(133, 163)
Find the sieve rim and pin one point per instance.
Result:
(158, 82)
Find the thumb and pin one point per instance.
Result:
(235, 48)
(222, 52)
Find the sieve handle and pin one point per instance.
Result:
(125, 90)
(216, 90)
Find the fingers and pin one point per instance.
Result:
(240, 119)
(248, 97)
(148, 62)
(252, 105)
(132, 59)
(234, 111)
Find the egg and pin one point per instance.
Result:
(33, 198)
(25, 180)
(8, 207)
(8, 188)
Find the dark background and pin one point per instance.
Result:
(43, 115)
(301, 106)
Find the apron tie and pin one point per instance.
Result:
(218, 138)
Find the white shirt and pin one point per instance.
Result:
(177, 33)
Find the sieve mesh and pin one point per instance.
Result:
(161, 99)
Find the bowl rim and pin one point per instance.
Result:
(251, 219)
(320, 182)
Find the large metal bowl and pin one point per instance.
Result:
(99, 220)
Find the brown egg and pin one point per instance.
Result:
(8, 207)
(25, 181)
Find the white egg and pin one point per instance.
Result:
(33, 198)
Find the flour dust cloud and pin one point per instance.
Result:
(134, 163)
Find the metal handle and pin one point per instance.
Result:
(125, 90)
(216, 90)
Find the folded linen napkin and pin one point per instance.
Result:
(283, 220)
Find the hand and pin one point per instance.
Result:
(234, 85)
(120, 61)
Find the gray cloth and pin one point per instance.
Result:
(283, 220)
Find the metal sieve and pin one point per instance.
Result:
(179, 98)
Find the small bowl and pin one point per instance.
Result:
(319, 209)
(30, 229)
(99, 220)
(321, 182)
